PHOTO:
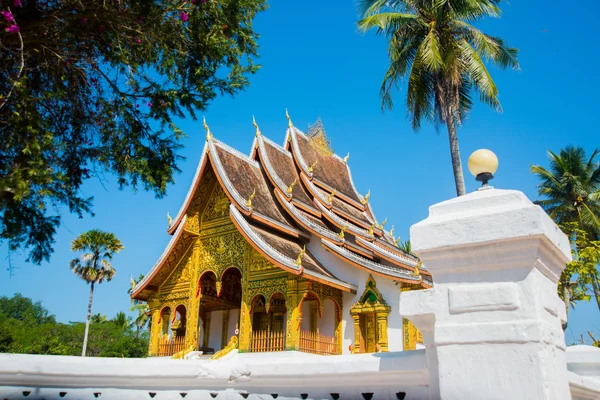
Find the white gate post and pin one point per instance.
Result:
(492, 322)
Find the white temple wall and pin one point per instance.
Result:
(234, 319)
(388, 289)
(327, 320)
(216, 328)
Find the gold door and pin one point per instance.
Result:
(368, 333)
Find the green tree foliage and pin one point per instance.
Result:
(570, 188)
(27, 327)
(88, 86)
(142, 310)
(444, 57)
(93, 266)
(570, 193)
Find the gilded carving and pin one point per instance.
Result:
(411, 335)
(371, 312)
(217, 206)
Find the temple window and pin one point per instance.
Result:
(370, 320)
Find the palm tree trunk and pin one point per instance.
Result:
(459, 179)
(596, 289)
(87, 321)
(566, 289)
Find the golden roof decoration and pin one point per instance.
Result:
(298, 261)
(312, 167)
(255, 125)
(366, 198)
(249, 202)
(383, 223)
(342, 232)
(331, 196)
(170, 219)
(287, 115)
(318, 138)
(291, 187)
(347, 158)
(392, 231)
(371, 228)
(209, 135)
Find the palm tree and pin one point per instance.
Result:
(570, 189)
(444, 57)
(570, 194)
(143, 310)
(93, 266)
(121, 320)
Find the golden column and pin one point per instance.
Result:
(382, 331)
(356, 320)
(339, 333)
(194, 295)
(155, 330)
(409, 331)
(292, 303)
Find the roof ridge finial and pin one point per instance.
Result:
(170, 219)
(249, 202)
(298, 261)
(365, 200)
(287, 115)
(312, 167)
(341, 235)
(346, 158)
(398, 241)
(383, 223)
(371, 228)
(331, 196)
(417, 272)
(392, 232)
(209, 135)
(254, 124)
(291, 187)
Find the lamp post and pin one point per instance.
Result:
(483, 165)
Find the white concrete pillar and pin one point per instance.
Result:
(492, 322)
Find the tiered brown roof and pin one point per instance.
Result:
(281, 195)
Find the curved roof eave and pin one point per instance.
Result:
(191, 191)
(370, 266)
(305, 222)
(154, 270)
(401, 261)
(260, 245)
(340, 222)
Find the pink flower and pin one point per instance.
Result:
(17, 3)
(184, 17)
(7, 16)
(138, 40)
(149, 104)
(12, 29)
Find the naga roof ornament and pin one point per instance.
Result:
(365, 200)
(289, 120)
(209, 135)
(255, 125)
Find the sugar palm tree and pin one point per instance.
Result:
(570, 189)
(444, 57)
(93, 266)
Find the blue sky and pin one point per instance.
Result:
(316, 64)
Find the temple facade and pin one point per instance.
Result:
(277, 250)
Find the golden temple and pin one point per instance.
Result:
(277, 251)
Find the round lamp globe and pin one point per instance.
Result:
(483, 161)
